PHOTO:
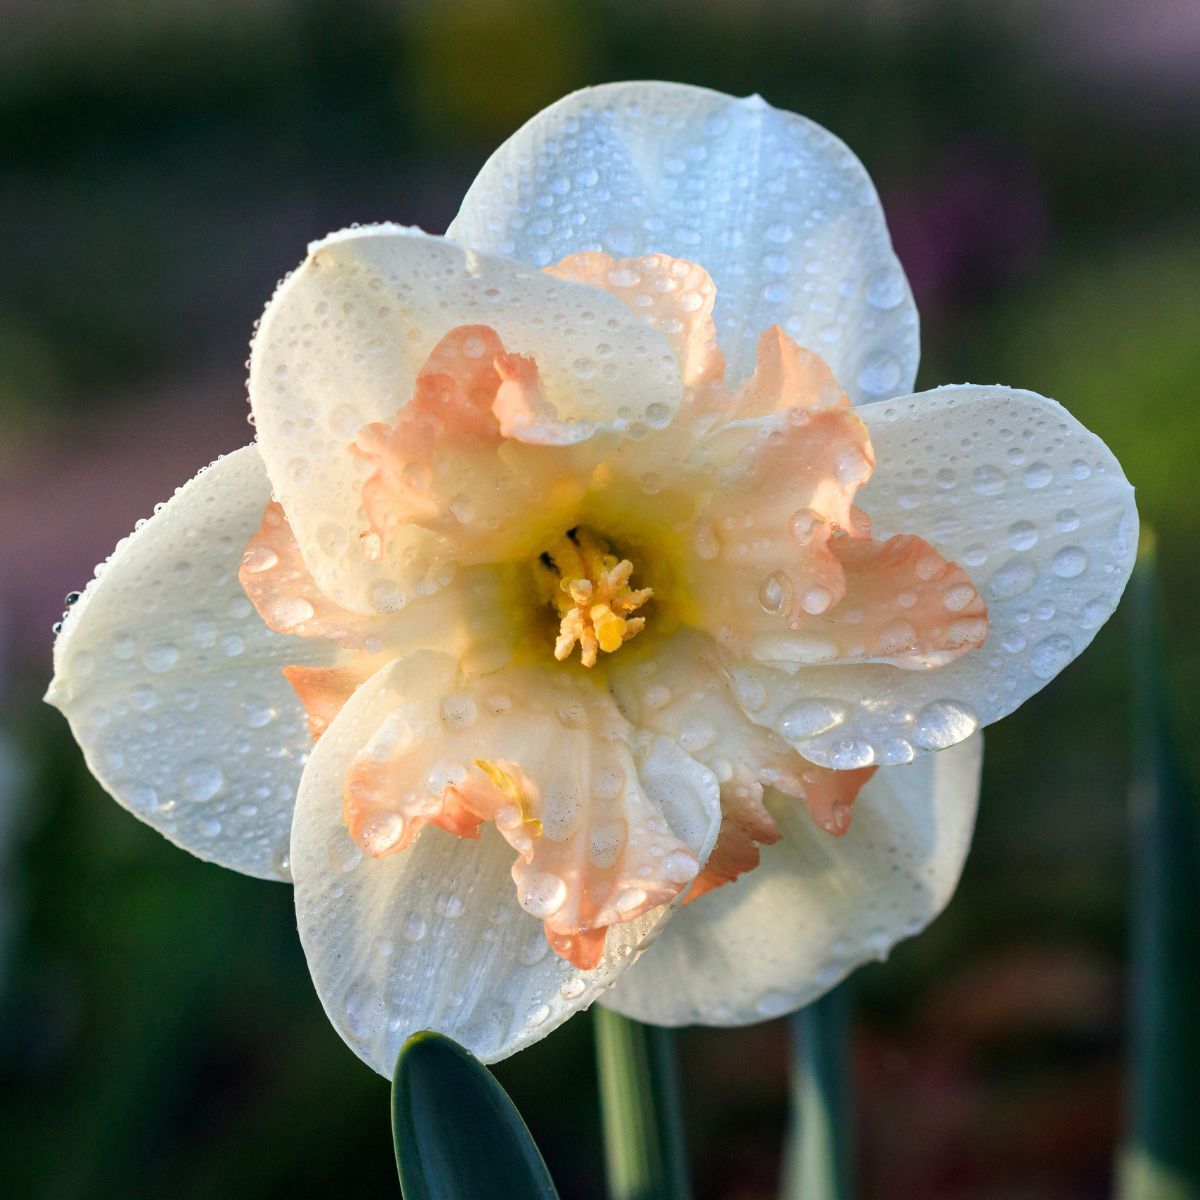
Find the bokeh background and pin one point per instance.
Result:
(163, 163)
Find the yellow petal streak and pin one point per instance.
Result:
(589, 588)
(513, 790)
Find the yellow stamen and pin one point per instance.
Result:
(593, 598)
(512, 789)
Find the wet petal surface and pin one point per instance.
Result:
(173, 684)
(817, 907)
(340, 348)
(779, 211)
(434, 936)
(1035, 508)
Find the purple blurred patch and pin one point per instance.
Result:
(68, 499)
(977, 224)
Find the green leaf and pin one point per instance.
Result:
(1161, 1158)
(817, 1155)
(640, 1108)
(457, 1134)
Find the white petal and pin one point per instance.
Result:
(432, 937)
(817, 906)
(1035, 508)
(340, 345)
(777, 210)
(172, 684)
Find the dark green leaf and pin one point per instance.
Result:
(457, 1134)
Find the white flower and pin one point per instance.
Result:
(576, 564)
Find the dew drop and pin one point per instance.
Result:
(380, 834)
(1014, 578)
(679, 867)
(1038, 475)
(851, 753)
(1070, 562)
(414, 927)
(201, 781)
(943, 723)
(543, 893)
(160, 658)
(286, 612)
(885, 288)
(988, 480)
(807, 718)
(1051, 654)
(880, 373)
(804, 525)
(459, 711)
(1022, 535)
(816, 600)
(775, 594)
(259, 558)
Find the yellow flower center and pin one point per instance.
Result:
(588, 587)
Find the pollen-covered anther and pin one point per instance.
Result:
(589, 588)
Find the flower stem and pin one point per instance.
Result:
(640, 1109)
(1161, 1156)
(817, 1156)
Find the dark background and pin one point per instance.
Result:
(162, 164)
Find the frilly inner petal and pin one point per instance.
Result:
(602, 833)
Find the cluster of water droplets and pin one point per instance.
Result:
(761, 198)
(171, 681)
(459, 947)
(1037, 512)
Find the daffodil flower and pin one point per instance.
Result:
(603, 534)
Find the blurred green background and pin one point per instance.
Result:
(162, 164)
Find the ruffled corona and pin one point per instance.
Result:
(774, 562)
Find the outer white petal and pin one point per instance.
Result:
(1035, 507)
(817, 906)
(778, 210)
(340, 345)
(172, 684)
(433, 937)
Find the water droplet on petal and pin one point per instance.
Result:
(1051, 654)
(943, 723)
(543, 893)
(1070, 562)
(201, 781)
(807, 718)
(775, 594)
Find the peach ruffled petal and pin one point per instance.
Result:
(829, 795)
(785, 376)
(277, 581)
(745, 826)
(450, 414)
(905, 604)
(593, 846)
(673, 295)
(323, 690)
(783, 565)
(760, 545)
(478, 456)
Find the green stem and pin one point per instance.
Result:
(817, 1158)
(640, 1109)
(1161, 1156)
